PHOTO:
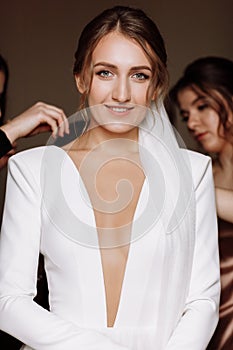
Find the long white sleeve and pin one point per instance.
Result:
(200, 316)
(20, 316)
(24, 232)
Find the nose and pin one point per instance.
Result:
(121, 90)
(193, 121)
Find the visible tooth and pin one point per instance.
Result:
(115, 109)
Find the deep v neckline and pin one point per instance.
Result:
(125, 286)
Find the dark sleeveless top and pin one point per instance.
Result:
(223, 336)
(5, 145)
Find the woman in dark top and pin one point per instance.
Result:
(204, 97)
(39, 118)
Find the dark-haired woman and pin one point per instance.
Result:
(204, 97)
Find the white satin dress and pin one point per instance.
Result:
(170, 293)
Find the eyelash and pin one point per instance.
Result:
(202, 106)
(141, 76)
(184, 118)
(105, 74)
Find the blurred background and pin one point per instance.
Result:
(38, 39)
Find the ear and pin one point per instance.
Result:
(79, 84)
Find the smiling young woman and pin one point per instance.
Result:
(116, 224)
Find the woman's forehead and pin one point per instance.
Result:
(118, 48)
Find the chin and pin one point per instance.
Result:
(118, 128)
(211, 150)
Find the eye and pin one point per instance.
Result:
(104, 74)
(202, 106)
(185, 119)
(140, 76)
(184, 116)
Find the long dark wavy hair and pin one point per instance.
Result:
(210, 77)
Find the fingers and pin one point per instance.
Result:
(39, 118)
(52, 116)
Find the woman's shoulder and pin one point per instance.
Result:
(35, 154)
(30, 153)
(34, 163)
(199, 164)
(197, 158)
(34, 159)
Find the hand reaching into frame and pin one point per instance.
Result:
(41, 117)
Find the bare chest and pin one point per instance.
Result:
(223, 177)
(114, 187)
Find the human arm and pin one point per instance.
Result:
(200, 315)
(41, 117)
(224, 202)
(19, 250)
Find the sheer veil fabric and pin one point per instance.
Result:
(168, 212)
(170, 292)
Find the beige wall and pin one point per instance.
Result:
(38, 39)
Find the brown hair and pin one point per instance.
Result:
(132, 23)
(212, 78)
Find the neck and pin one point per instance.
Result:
(109, 142)
(225, 157)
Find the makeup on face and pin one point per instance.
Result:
(121, 77)
(202, 120)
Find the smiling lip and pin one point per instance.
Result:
(200, 136)
(120, 110)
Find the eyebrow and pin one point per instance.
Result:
(197, 99)
(192, 103)
(109, 65)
